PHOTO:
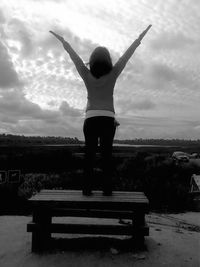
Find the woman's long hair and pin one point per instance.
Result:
(100, 62)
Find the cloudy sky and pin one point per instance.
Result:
(156, 96)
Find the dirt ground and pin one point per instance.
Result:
(174, 240)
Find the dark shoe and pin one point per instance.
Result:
(87, 192)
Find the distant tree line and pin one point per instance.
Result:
(10, 139)
(161, 142)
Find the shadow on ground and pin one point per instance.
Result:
(91, 243)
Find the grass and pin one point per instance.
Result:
(151, 170)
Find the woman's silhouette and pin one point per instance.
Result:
(100, 123)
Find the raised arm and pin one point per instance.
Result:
(78, 62)
(121, 63)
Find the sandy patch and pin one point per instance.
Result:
(171, 243)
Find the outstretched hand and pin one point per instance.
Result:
(60, 38)
(141, 36)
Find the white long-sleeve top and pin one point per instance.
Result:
(100, 90)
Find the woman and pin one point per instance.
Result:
(100, 121)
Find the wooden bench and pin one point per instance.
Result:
(71, 203)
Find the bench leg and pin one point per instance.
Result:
(138, 224)
(41, 239)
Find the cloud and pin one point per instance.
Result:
(167, 78)
(15, 107)
(160, 80)
(162, 73)
(2, 18)
(8, 76)
(156, 127)
(144, 105)
(171, 41)
(127, 106)
(42, 128)
(18, 115)
(17, 30)
(66, 110)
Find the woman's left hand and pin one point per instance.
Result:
(60, 38)
(141, 36)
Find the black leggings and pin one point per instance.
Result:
(102, 129)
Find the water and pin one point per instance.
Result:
(115, 145)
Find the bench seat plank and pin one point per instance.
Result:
(88, 229)
(75, 199)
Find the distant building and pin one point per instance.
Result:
(195, 191)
